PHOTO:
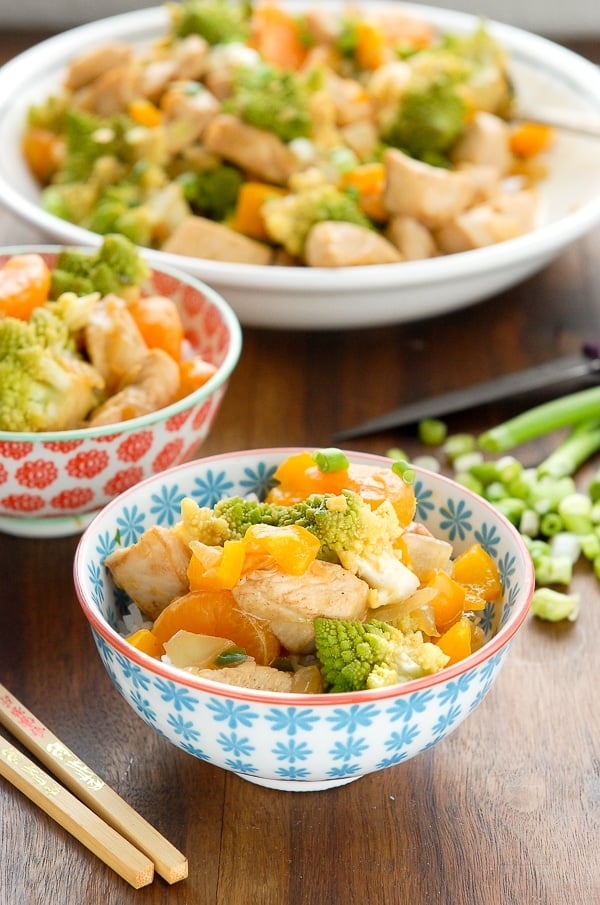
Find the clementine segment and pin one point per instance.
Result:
(207, 612)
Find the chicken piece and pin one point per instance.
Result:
(113, 340)
(504, 217)
(334, 243)
(361, 137)
(149, 386)
(323, 25)
(352, 103)
(190, 58)
(91, 65)
(486, 141)
(153, 571)
(155, 77)
(256, 150)
(290, 603)
(248, 674)
(111, 92)
(413, 240)
(485, 178)
(186, 116)
(202, 238)
(430, 194)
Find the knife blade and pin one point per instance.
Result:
(585, 363)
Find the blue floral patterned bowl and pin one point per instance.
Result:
(284, 741)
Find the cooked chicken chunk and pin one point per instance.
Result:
(203, 238)
(427, 193)
(113, 340)
(111, 92)
(248, 674)
(338, 244)
(427, 553)
(290, 603)
(152, 571)
(256, 150)
(413, 240)
(503, 217)
(186, 116)
(150, 385)
(89, 66)
(486, 142)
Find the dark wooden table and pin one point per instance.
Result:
(504, 812)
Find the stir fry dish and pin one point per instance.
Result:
(82, 344)
(327, 585)
(251, 134)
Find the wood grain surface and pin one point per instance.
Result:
(503, 812)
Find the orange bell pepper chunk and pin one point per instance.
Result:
(216, 568)
(448, 602)
(43, 150)
(147, 642)
(276, 36)
(247, 217)
(193, 374)
(292, 547)
(476, 569)
(456, 641)
(529, 139)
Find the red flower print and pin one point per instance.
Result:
(64, 446)
(22, 502)
(15, 450)
(168, 455)
(135, 446)
(123, 479)
(3, 474)
(39, 473)
(177, 421)
(88, 464)
(72, 499)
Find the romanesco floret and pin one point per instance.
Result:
(356, 655)
(240, 514)
(212, 192)
(44, 384)
(289, 219)
(272, 99)
(116, 266)
(217, 21)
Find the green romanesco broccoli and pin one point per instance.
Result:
(357, 655)
(217, 21)
(289, 219)
(212, 192)
(113, 268)
(350, 533)
(44, 384)
(272, 99)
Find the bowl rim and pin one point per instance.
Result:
(499, 641)
(583, 76)
(192, 399)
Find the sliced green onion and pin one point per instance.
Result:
(331, 459)
(542, 419)
(404, 470)
(582, 442)
(554, 606)
(458, 444)
(432, 431)
(575, 510)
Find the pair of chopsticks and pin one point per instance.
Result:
(98, 817)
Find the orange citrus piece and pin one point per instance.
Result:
(24, 285)
(207, 612)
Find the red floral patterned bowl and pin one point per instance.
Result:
(53, 483)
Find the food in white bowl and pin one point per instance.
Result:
(110, 371)
(286, 294)
(325, 722)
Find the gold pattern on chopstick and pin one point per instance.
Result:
(42, 781)
(87, 776)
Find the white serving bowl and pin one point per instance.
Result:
(297, 742)
(317, 298)
(52, 483)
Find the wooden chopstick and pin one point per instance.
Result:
(75, 817)
(170, 863)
